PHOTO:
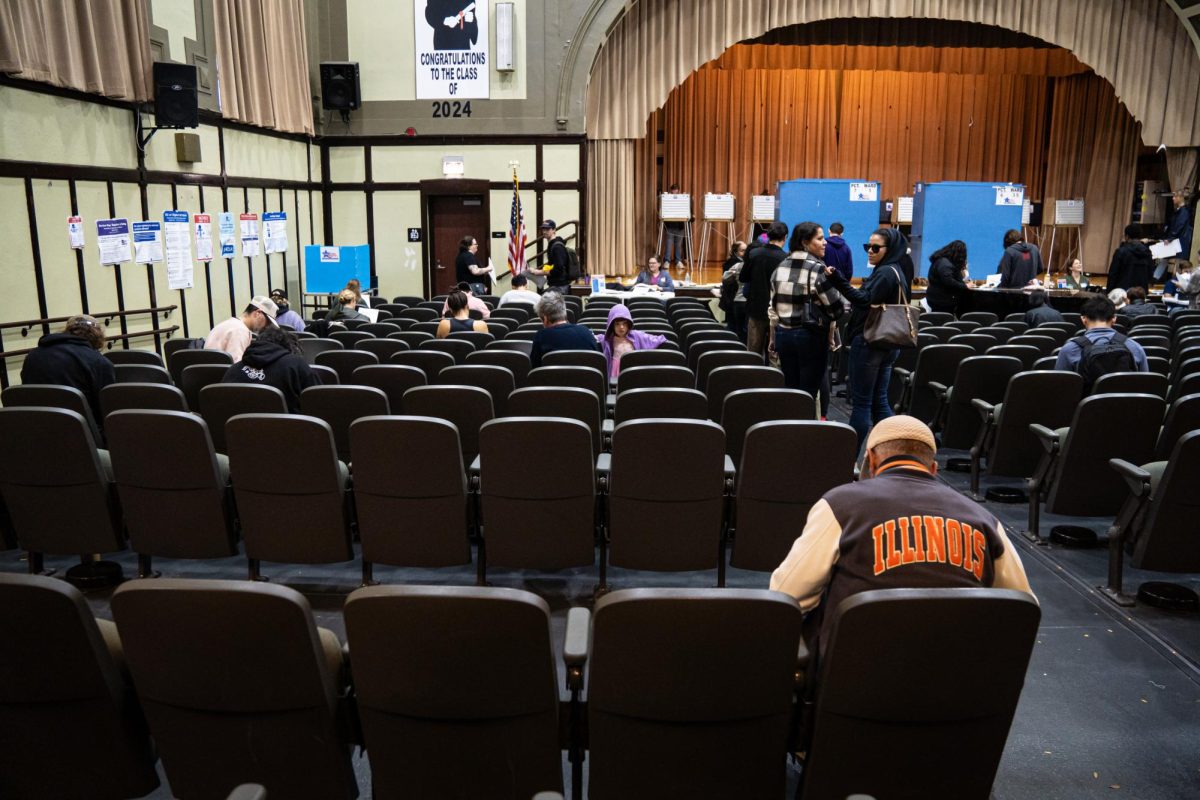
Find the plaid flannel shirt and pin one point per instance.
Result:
(797, 279)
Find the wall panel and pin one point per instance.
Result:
(17, 286)
(398, 262)
(58, 130)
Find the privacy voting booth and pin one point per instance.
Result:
(327, 268)
(855, 204)
(976, 213)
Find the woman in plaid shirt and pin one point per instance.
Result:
(803, 303)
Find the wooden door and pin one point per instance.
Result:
(454, 208)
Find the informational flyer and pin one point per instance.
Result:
(178, 248)
(204, 246)
(75, 232)
(113, 237)
(249, 223)
(275, 232)
(1010, 196)
(864, 192)
(451, 52)
(226, 233)
(147, 242)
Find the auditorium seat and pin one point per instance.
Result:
(344, 362)
(982, 317)
(119, 396)
(937, 363)
(519, 335)
(1045, 363)
(1001, 335)
(238, 685)
(350, 339)
(700, 347)
(477, 339)
(339, 406)
(576, 358)
(594, 380)
(180, 360)
(776, 489)
(382, 348)
(430, 327)
(411, 338)
(57, 486)
(937, 317)
(431, 362)
(496, 381)
(1058, 331)
(1131, 383)
(391, 379)
(513, 311)
(327, 376)
(41, 395)
(455, 348)
(977, 377)
(376, 329)
(942, 333)
(392, 308)
(408, 300)
(963, 326)
(1047, 398)
(690, 692)
(976, 341)
(1044, 344)
(467, 407)
(71, 727)
(1024, 353)
(410, 493)
(497, 328)
(569, 402)
(952, 686)
(658, 357)
(1158, 364)
(654, 529)
(654, 378)
(745, 408)
(1073, 473)
(184, 511)
(172, 346)
(658, 402)
(514, 361)
(221, 402)
(724, 380)
(293, 505)
(419, 313)
(134, 357)
(544, 522)
(142, 373)
(197, 376)
(1183, 415)
(1017, 326)
(311, 348)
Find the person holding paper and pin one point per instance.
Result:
(360, 299)
(1180, 226)
(286, 316)
(467, 269)
(1180, 290)
(1132, 263)
(72, 358)
(656, 276)
(345, 307)
(234, 334)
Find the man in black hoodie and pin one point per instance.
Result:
(756, 274)
(72, 358)
(273, 359)
(1132, 264)
(1021, 262)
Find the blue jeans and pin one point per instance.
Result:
(870, 374)
(675, 245)
(803, 355)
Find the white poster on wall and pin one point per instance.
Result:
(451, 49)
(75, 232)
(225, 233)
(178, 249)
(113, 237)
(147, 242)
(249, 225)
(275, 232)
(204, 249)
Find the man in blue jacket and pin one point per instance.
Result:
(837, 252)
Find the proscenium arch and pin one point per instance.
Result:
(607, 75)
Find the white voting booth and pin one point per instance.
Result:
(718, 222)
(675, 208)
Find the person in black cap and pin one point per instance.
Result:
(558, 278)
(286, 316)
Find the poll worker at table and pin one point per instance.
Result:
(1021, 262)
(947, 268)
(557, 333)
(656, 276)
(1077, 279)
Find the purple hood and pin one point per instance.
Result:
(640, 341)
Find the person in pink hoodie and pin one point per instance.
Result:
(620, 338)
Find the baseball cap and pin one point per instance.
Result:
(548, 224)
(901, 426)
(267, 306)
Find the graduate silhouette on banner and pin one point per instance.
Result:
(454, 24)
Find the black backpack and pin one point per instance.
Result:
(1102, 358)
(574, 270)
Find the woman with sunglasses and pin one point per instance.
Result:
(871, 367)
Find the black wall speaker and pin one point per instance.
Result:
(175, 104)
(339, 85)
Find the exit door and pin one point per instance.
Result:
(454, 208)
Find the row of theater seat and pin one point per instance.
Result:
(453, 692)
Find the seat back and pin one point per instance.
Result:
(658, 357)
(391, 379)
(576, 358)
(1167, 540)
(1043, 397)
(698, 347)
(420, 713)
(982, 317)
(412, 338)
(559, 401)
(656, 527)
(1183, 416)
(175, 500)
(538, 524)
(41, 395)
(311, 348)
(1000, 334)
(467, 407)
(142, 373)
(976, 341)
(377, 329)
(456, 348)
(496, 381)
(936, 363)
(978, 377)
(775, 489)
(746, 408)
(119, 396)
(410, 491)
(723, 381)
(690, 693)
(63, 701)
(1131, 383)
(953, 686)
(180, 360)
(344, 362)
(594, 380)
(172, 346)
(1105, 426)
(1024, 353)
(58, 497)
(1044, 344)
(292, 506)
(514, 361)
(382, 349)
(197, 376)
(339, 406)
(670, 403)
(351, 338)
(654, 378)
(220, 402)
(233, 673)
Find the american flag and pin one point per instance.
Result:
(516, 232)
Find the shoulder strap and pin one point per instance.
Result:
(899, 286)
(1118, 338)
(1083, 343)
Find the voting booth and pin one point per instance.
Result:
(977, 213)
(855, 204)
(327, 268)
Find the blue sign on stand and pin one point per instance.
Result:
(327, 268)
(855, 204)
(977, 213)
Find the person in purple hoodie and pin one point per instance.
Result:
(837, 252)
(620, 338)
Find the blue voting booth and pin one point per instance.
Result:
(976, 213)
(328, 268)
(855, 204)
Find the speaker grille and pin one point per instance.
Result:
(339, 85)
(175, 102)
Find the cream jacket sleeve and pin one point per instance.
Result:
(806, 571)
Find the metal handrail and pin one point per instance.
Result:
(123, 337)
(29, 324)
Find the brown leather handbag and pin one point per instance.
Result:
(892, 326)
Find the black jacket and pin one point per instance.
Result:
(1043, 313)
(1131, 266)
(885, 285)
(756, 274)
(1021, 263)
(63, 359)
(269, 364)
(556, 257)
(946, 285)
(462, 268)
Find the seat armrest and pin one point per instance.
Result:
(802, 656)
(473, 473)
(730, 469)
(905, 374)
(603, 469)
(1047, 437)
(1135, 477)
(985, 409)
(938, 389)
(607, 427)
(575, 646)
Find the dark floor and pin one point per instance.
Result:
(1111, 705)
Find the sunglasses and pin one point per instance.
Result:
(874, 248)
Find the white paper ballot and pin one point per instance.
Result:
(75, 232)
(147, 242)
(371, 314)
(1166, 249)
(275, 232)
(864, 192)
(112, 235)
(178, 249)
(249, 225)
(204, 242)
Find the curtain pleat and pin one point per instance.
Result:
(1183, 168)
(103, 48)
(611, 218)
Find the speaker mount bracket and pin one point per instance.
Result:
(144, 140)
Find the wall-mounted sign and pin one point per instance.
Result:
(451, 49)
(414, 234)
